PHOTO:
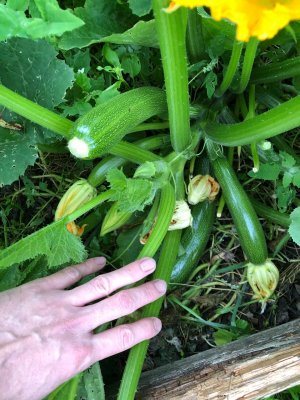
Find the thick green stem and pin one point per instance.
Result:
(171, 28)
(151, 126)
(34, 112)
(231, 69)
(137, 354)
(271, 215)
(96, 201)
(164, 215)
(271, 123)
(276, 72)
(195, 41)
(248, 64)
(133, 153)
(99, 172)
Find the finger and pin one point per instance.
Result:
(116, 340)
(123, 303)
(105, 284)
(70, 275)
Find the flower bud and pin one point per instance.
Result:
(202, 187)
(263, 279)
(114, 219)
(182, 217)
(80, 193)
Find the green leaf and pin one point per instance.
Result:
(101, 18)
(140, 7)
(18, 5)
(93, 383)
(131, 65)
(32, 70)
(296, 179)
(17, 151)
(132, 194)
(287, 179)
(54, 241)
(294, 229)
(287, 160)
(53, 21)
(267, 172)
(142, 33)
(284, 197)
(110, 55)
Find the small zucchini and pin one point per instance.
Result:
(245, 219)
(96, 132)
(194, 241)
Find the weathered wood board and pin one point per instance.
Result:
(247, 369)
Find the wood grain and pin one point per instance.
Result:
(248, 369)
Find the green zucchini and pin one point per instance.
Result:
(96, 132)
(247, 224)
(194, 241)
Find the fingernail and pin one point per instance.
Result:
(161, 286)
(147, 264)
(157, 324)
(101, 261)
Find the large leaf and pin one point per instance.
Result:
(32, 70)
(102, 18)
(17, 151)
(52, 21)
(54, 241)
(143, 33)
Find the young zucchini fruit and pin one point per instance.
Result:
(96, 132)
(194, 241)
(262, 274)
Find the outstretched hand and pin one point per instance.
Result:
(46, 332)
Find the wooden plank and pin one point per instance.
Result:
(248, 369)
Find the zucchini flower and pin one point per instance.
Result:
(80, 193)
(254, 18)
(263, 279)
(182, 217)
(114, 219)
(202, 187)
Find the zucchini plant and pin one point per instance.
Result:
(130, 97)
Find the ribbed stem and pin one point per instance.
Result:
(35, 113)
(195, 43)
(231, 69)
(171, 29)
(248, 63)
(137, 353)
(271, 123)
(99, 172)
(276, 72)
(271, 215)
(164, 215)
(133, 153)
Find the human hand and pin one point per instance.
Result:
(46, 332)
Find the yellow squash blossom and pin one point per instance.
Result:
(80, 193)
(259, 18)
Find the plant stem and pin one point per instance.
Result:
(151, 126)
(98, 174)
(231, 69)
(271, 215)
(276, 71)
(248, 63)
(171, 28)
(101, 198)
(164, 215)
(137, 353)
(133, 153)
(270, 123)
(195, 42)
(34, 112)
